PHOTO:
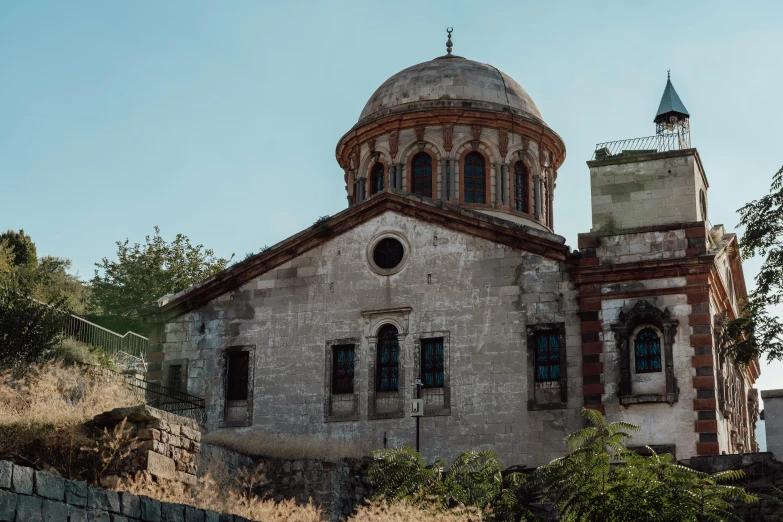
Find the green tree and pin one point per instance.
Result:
(475, 479)
(21, 246)
(758, 331)
(601, 480)
(141, 274)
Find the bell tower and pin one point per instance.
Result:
(672, 121)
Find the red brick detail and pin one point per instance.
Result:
(588, 242)
(707, 426)
(590, 289)
(704, 404)
(690, 252)
(592, 348)
(590, 306)
(698, 279)
(701, 340)
(697, 295)
(593, 389)
(155, 357)
(702, 360)
(592, 368)
(592, 326)
(703, 382)
(694, 319)
(589, 261)
(696, 232)
(599, 407)
(707, 448)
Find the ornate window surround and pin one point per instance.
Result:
(531, 332)
(629, 322)
(375, 320)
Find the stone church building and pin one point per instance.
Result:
(445, 268)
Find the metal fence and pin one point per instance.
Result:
(84, 331)
(648, 144)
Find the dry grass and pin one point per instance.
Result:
(381, 511)
(58, 395)
(256, 443)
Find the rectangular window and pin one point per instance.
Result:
(547, 346)
(175, 377)
(342, 368)
(237, 375)
(432, 362)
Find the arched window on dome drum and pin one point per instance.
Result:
(647, 351)
(544, 201)
(377, 178)
(421, 178)
(387, 366)
(520, 187)
(474, 176)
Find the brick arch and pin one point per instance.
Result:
(489, 172)
(486, 146)
(433, 153)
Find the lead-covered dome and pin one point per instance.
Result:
(450, 82)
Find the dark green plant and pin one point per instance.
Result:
(29, 330)
(475, 479)
(21, 247)
(141, 274)
(601, 480)
(757, 331)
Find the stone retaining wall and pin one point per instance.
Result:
(27, 495)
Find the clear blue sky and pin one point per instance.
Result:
(219, 119)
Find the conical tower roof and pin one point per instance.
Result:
(670, 102)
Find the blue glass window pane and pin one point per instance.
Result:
(387, 364)
(647, 351)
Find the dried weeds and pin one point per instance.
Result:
(256, 443)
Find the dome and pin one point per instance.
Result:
(450, 82)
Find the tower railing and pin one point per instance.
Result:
(634, 146)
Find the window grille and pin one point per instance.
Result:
(647, 349)
(377, 178)
(342, 368)
(175, 377)
(520, 187)
(432, 362)
(237, 375)
(388, 360)
(547, 357)
(474, 178)
(422, 174)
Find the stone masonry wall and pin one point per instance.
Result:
(168, 444)
(27, 495)
(479, 295)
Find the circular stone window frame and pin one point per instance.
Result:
(371, 250)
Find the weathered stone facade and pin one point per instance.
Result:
(528, 331)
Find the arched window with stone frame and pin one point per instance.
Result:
(421, 174)
(521, 187)
(377, 178)
(544, 200)
(474, 178)
(387, 365)
(644, 337)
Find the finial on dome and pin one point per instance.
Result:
(449, 45)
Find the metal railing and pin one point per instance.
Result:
(128, 346)
(634, 146)
(156, 395)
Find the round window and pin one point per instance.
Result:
(388, 253)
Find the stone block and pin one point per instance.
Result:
(53, 511)
(6, 468)
(172, 512)
(76, 514)
(7, 505)
(103, 499)
(130, 505)
(49, 486)
(148, 434)
(212, 516)
(98, 516)
(119, 518)
(192, 434)
(161, 466)
(22, 480)
(227, 518)
(194, 515)
(186, 478)
(76, 493)
(28, 508)
(150, 509)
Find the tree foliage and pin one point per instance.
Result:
(475, 479)
(757, 331)
(143, 273)
(601, 480)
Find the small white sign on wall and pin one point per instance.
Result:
(417, 408)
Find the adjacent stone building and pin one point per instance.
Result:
(445, 271)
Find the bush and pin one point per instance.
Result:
(29, 330)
